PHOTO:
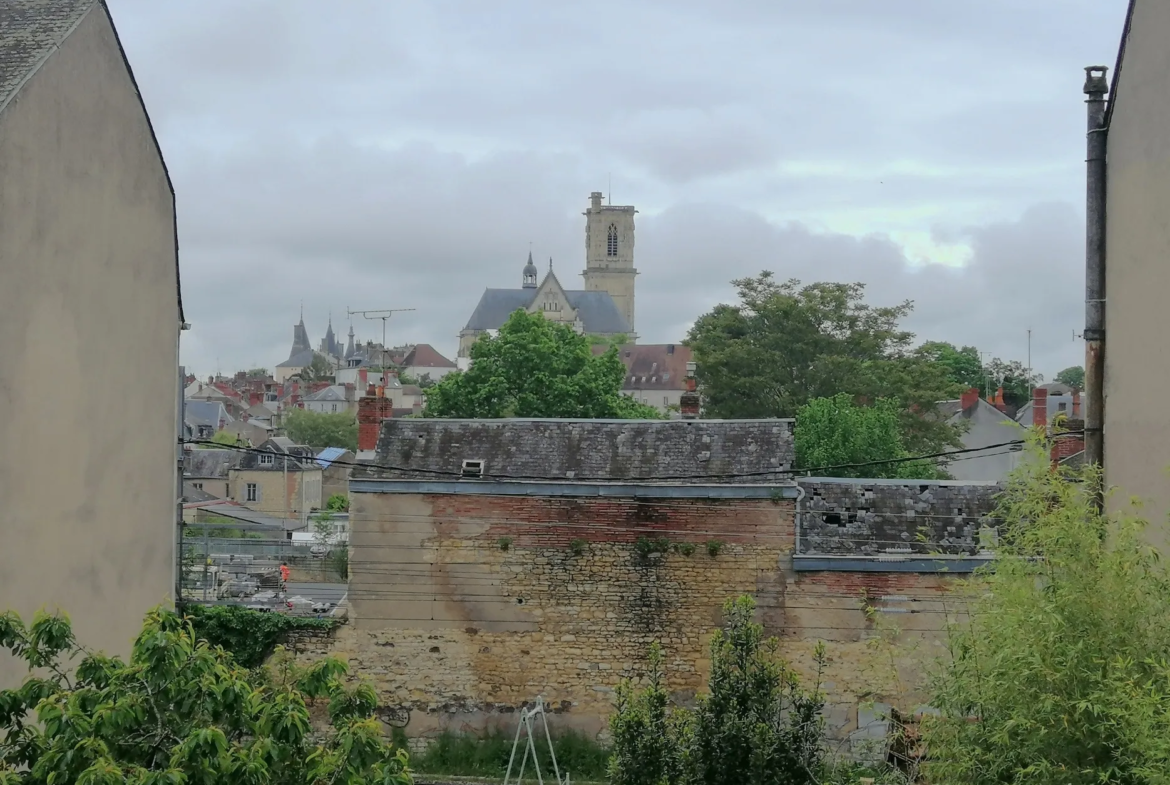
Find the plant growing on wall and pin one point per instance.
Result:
(179, 711)
(338, 502)
(248, 636)
(504, 543)
(714, 548)
(577, 547)
(647, 547)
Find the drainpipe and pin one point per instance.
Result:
(798, 519)
(1096, 88)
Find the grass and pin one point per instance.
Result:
(459, 755)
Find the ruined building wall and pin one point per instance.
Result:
(463, 608)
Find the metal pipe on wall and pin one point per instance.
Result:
(1096, 88)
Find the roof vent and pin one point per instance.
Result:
(472, 469)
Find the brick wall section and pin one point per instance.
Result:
(455, 631)
(858, 518)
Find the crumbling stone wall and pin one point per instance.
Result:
(874, 517)
(464, 608)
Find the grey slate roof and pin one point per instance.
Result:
(210, 413)
(332, 393)
(676, 451)
(302, 359)
(598, 312)
(210, 463)
(30, 31)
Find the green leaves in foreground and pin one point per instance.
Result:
(181, 711)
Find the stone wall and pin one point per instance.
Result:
(872, 517)
(464, 608)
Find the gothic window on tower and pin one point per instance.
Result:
(611, 241)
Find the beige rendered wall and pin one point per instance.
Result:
(278, 492)
(456, 632)
(1137, 352)
(87, 283)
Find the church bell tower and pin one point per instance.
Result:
(609, 254)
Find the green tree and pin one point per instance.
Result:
(318, 370)
(180, 711)
(338, 502)
(607, 341)
(1061, 674)
(258, 373)
(785, 344)
(964, 366)
(1074, 377)
(835, 431)
(536, 368)
(424, 382)
(223, 438)
(1015, 379)
(319, 430)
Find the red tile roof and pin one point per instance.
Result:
(424, 356)
(653, 366)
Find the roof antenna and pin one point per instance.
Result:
(609, 188)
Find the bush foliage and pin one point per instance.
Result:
(248, 635)
(179, 712)
(757, 725)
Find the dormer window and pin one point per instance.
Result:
(267, 459)
(611, 241)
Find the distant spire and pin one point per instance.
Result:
(550, 264)
(529, 278)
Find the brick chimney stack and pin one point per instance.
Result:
(969, 400)
(690, 403)
(373, 408)
(1076, 404)
(1040, 408)
(999, 402)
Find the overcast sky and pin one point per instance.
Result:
(371, 154)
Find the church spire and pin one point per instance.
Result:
(529, 280)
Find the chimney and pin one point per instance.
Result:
(350, 393)
(690, 403)
(1040, 408)
(363, 377)
(595, 200)
(999, 401)
(969, 399)
(1076, 407)
(373, 408)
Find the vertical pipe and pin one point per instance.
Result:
(1096, 88)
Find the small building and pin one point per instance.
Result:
(656, 374)
(336, 463)
(423, 361)
(279, 478)
(982, 425)
(209, 470)
(334, 399)
(205, 418)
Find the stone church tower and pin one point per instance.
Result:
(609, 254)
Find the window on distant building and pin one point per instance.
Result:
(666, 400)
(267, 459)
(335, 408)
(197, 486)
(252, 494)
(611, 241)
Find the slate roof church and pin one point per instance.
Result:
(605, 306)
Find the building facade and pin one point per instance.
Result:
(609, 254)
(1137, 235)
(280, 479)
(89, 281)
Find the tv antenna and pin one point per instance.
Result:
(384, 315)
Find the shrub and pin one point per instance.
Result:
(577, 547)
(756, 725)
(180, 711)
(505, 543)
(685, 548)
(714, 548)
(338, 502)
(1061, 675)
(464, 755)
(248, 635)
